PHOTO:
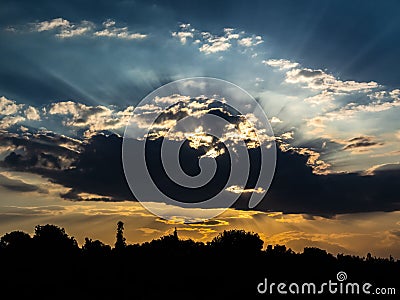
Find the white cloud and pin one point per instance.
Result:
(209, 43)
(275, 120)
(229, 32)
(184, 33)
(321, 98)
(67, 107)
(395, 94)
(247, 42)
(214, 152)
(65, 28)
(215, 44)
(287, 135)
(375, 106)
(183, 36)
(351, 109)
(32, 113)
(10, 110)
(76, 30)
(199, 138)
(175, 98)
(320, 80)
(108, 23)
(250, 41)
(8, 107)
(94, 118)
(244, 130)
(8, 121)
(52, 24)
(184, 26)
(118, 32)
(239, 190)
(281, 64)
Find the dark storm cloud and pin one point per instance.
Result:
(39, 151)
(295, 189)
(97, 170)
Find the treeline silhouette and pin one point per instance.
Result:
(51, 265)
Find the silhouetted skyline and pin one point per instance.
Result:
(177, 265)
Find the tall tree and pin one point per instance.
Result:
(120, 242)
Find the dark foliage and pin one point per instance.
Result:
(120, 243)
(50, 265)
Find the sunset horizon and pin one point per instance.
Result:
(275, 118)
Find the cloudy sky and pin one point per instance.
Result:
(325, 73)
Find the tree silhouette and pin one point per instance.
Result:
(278, 250)
(315, 252)
(53, 239)
(15, 241)
(237, 241)
(95, 248)
(120, 242)
(228, 267)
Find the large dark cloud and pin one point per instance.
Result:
(295, 189)
(97, 169)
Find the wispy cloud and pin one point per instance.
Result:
(361, 142)
(209, 43)
(320, 80)
(383, 103)
(250, 41)
(64, 29)
(118, 32)
(185, 33)
(91, 118)
(9, 121)
(240, 190)
(215, 44)
(275, 120)
(52, 24)
(281, 64)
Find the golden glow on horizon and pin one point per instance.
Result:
(357, 234)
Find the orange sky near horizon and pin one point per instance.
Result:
(356, 234)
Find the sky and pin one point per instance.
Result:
(324, 72)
